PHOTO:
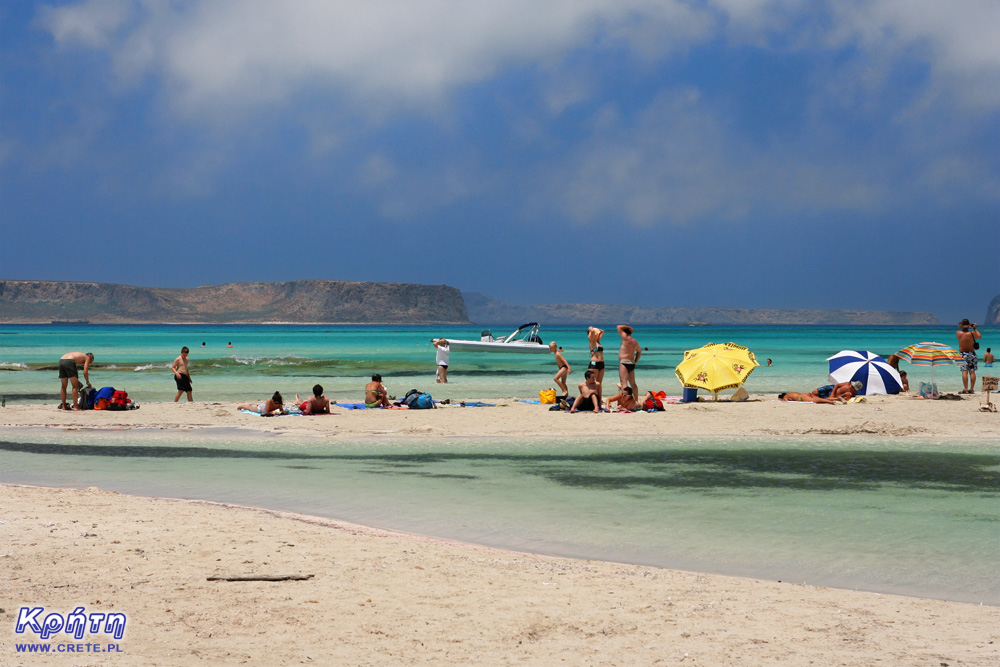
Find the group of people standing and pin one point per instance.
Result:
(590, 390)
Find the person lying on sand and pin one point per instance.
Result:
(318, 404)
(272, 406)
(805, 397)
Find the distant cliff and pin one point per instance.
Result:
(992, 312)
(298, 301)
(486, 310)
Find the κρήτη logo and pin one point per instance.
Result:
(77, 623)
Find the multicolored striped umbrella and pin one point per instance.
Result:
(930, 354)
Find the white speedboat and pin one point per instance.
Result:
(524, 339)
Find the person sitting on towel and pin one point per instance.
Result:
(590, 394)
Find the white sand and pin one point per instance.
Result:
(385, 599)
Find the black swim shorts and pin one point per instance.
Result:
(67, 368)
(629, 365)
(183, 382)
(596, 365)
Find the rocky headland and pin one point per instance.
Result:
(297, 301)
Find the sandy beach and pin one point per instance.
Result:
(380, 598)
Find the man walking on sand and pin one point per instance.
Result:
(628, 357)
(68, 373)
(182, 376)
(967, 347)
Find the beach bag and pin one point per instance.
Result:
(103, 397)
(418, 400)
(86, 400)
(119, 400)
(547, 396)
(928, 390)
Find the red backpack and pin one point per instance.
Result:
(119, 400)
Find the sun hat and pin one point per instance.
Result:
(964, 323)
(857, 385)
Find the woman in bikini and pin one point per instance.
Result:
(804, 397)
(596, 352)
(375, 394)
(272, 406)
(563, 372)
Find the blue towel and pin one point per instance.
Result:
(525, 400)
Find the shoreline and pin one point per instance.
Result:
(385, 597)
(900, 416)
(388, 597)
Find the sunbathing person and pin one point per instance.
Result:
(843, 391)
(272, 406)
(376, 395)
(318, 404)
(590, 394)
(805, 397)
(624, 399)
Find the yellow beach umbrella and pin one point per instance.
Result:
(716, 366)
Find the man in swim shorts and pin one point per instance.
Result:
(68, 373)
(628, 357)
(375, 394)
(967, 347)
(590, 394)
(317, 404)
(182, 375)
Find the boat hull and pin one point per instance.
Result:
(518, 346)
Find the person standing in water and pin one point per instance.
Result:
(443, 353)
(564, 370)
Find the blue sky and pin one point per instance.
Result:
(726, 153)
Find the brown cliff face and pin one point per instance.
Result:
(299, 301)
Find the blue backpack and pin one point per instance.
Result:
(416, 400)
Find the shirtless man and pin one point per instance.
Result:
(628, 357)
(805, 397)
(590, 394)
(624, 399)
(596, 352)
(376, 395)
(181, 375)
(563, 372)
(988, 358)
(842, 392)
(68, 373)
(318, 404)
(967, 347)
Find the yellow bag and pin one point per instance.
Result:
(547, 396)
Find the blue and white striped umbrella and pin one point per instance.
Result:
(874, 373)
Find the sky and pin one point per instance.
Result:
(662, 153)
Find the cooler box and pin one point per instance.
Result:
(690, 394)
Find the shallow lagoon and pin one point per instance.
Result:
(909, 516)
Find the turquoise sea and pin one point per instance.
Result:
(904, 515)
